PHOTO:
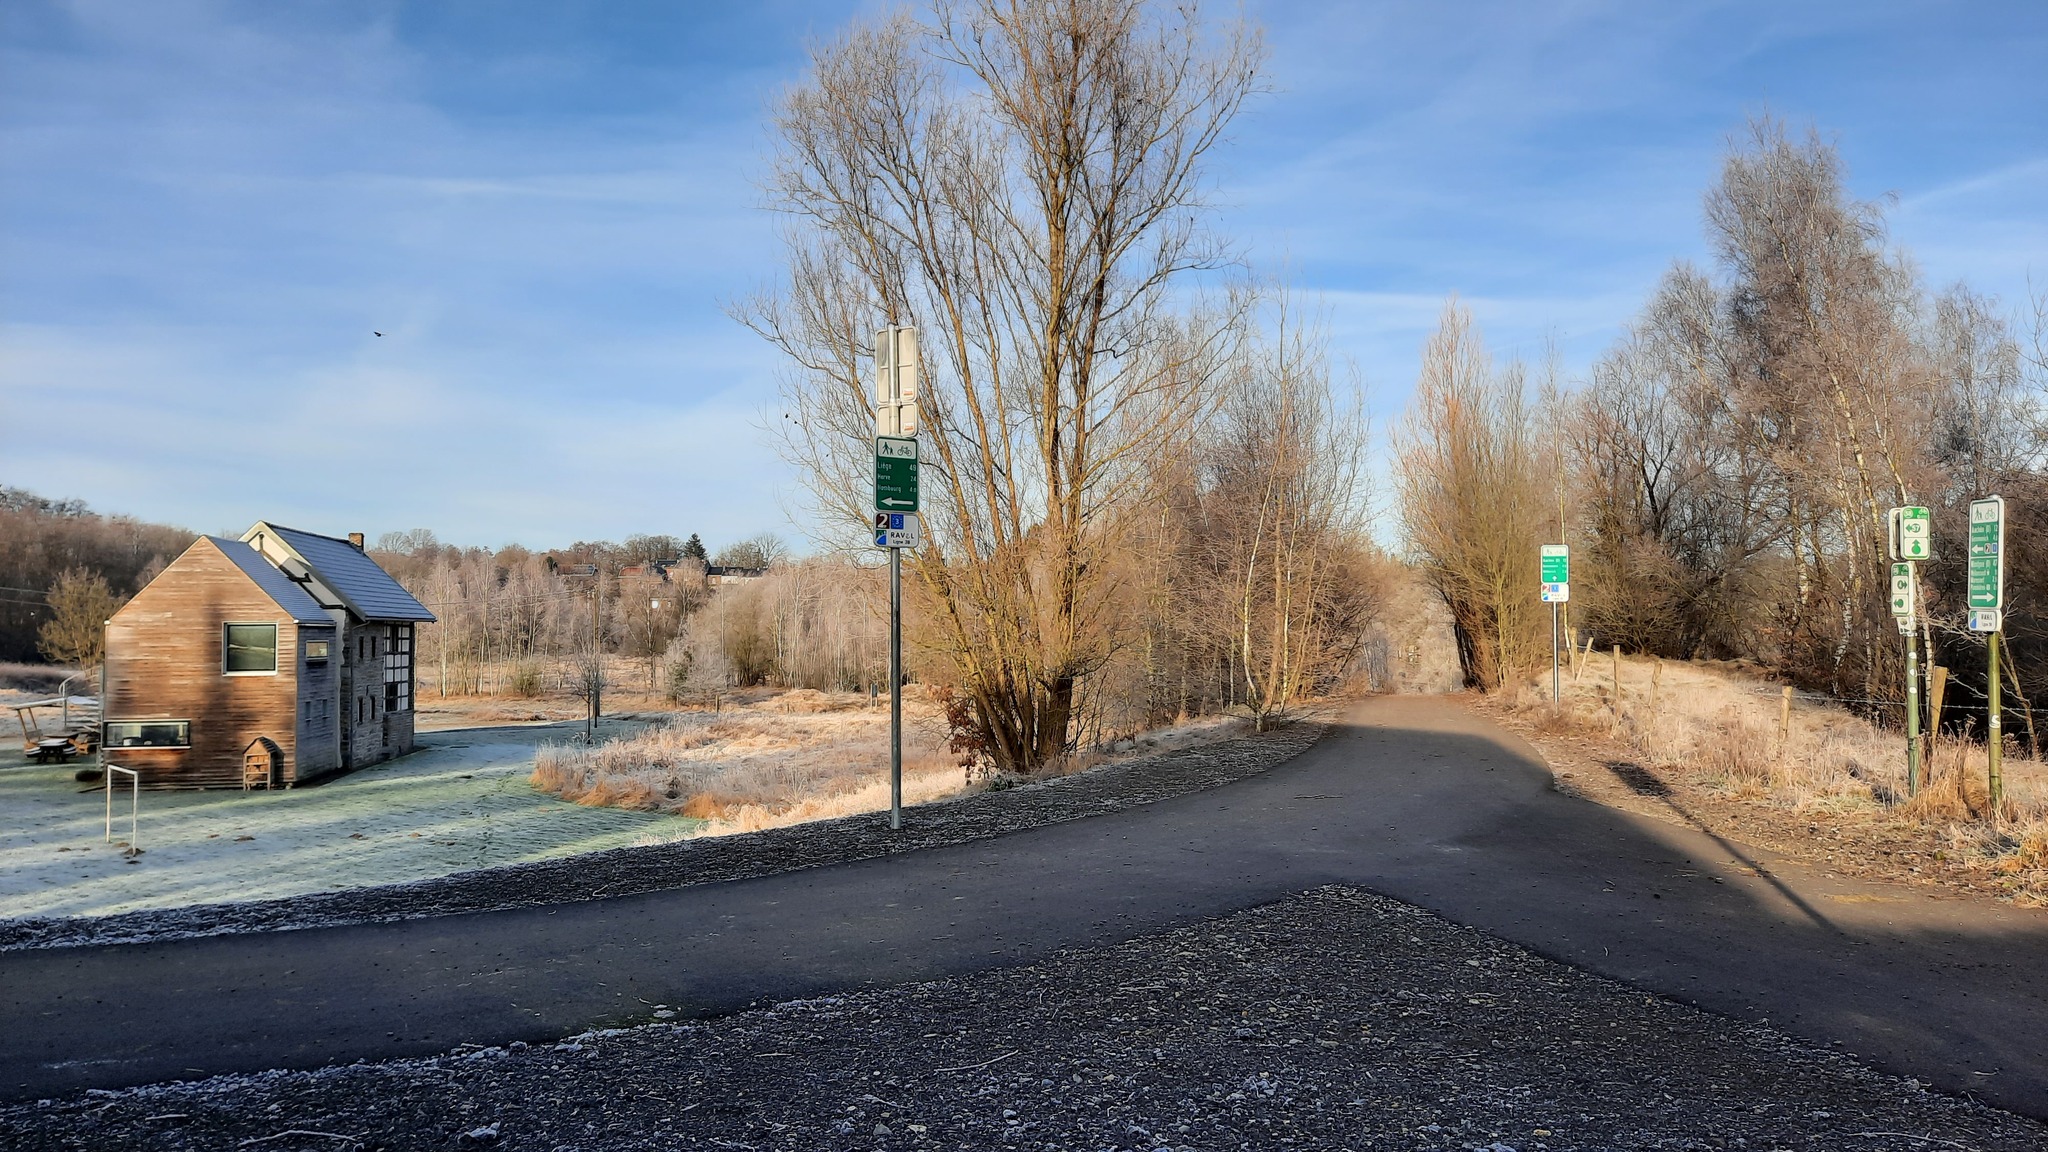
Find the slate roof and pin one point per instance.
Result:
(287, 595)
(366, 589)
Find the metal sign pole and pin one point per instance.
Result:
(1553, 652)
(1987, 615)
(1997, 733)
(895, 687)
(1912, 709)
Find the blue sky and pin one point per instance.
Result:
(206, 208)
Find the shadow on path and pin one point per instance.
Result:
(1413, 797)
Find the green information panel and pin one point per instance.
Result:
(895, 474)
(1557, 563)
(1987, 553)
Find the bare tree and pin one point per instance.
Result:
(1822, 317)
(1289, 523)
(1474, 498)
(1023, 183)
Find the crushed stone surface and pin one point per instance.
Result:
(1336, 1019)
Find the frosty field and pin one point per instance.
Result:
(461, 802)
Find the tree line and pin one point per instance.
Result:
(1725, 473)
(64, 568)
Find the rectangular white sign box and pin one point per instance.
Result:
(898, 530)
(1557, 593)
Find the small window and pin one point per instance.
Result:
(317, 649)
(149, 733)
(249, 649)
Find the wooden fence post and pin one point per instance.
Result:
(1785, 718)
(1656, 680)
(1617, 679)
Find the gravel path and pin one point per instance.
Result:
(1333, 1019)
(619, 871)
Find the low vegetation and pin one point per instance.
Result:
(1719, 732)
(794, 757)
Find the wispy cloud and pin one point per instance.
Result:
(208, 206)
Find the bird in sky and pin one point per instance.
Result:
(373, 332)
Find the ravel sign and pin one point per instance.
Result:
(1987, 563)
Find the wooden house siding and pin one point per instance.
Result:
(165, 662)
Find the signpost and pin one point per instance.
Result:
(1554, 569)
(1903, 611)
(896, 524)
(895, 474)
(1987, 614)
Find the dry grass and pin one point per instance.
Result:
(786, 759)
(771, 758)
(1719, 728)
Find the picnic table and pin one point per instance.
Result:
(56, 748)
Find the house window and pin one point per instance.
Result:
(249, 649)
(317, 649)
(149, 733)
(398, 669)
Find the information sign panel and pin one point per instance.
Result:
(1987, 553)
(1902, 590)
(1558, 593)
(898, 530)
(1912, 534)
(895, 474)
(1556, 563)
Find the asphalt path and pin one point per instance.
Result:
(1411, 796)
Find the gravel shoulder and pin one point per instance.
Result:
(626, 867)
(1332, 1019)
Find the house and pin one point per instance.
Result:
(732, 574)
(264, 661)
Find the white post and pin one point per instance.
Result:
(134, 804)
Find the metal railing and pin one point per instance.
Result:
(134, 804)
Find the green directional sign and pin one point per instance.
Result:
(1987, 553)
(1557, 563)
(895, 474)
(1912, 531)
(1902, 590)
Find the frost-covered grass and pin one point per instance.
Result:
(1723, 727)
(462, 802)
(792, 758)
(796, 757)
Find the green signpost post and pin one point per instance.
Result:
(1554, 569)
(1987, 615)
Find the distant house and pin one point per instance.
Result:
(732, 574)
(264, 661)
